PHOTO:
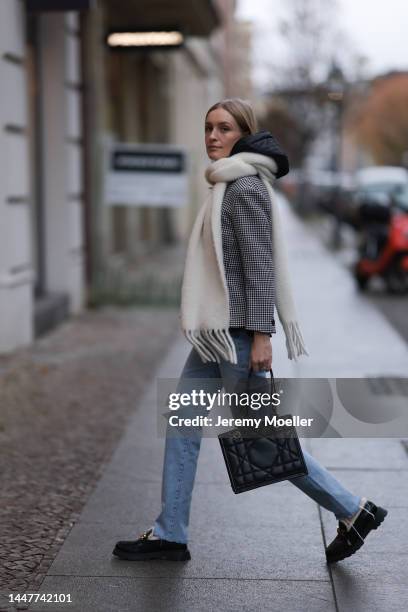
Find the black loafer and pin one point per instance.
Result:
(144, 549)
(348, 541)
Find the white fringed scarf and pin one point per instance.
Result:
(205, 309)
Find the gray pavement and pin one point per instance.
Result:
(263, 550)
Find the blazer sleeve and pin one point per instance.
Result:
(251, 217)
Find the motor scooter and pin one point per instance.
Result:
(383, 248)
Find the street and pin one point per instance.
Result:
(263, 549)
(393, 307)
(146, 149)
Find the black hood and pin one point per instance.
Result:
(264, 143)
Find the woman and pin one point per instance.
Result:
(235, 260)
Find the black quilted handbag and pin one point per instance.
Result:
(256, 459)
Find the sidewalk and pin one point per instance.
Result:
(263, 550)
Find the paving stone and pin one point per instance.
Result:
(386, 488)
(361, 453)
(64, 403)
(360, 595)
(165, 595)
(255, 543)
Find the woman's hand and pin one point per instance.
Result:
(261, 352)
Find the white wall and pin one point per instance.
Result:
(195, 84)
(63, 180)
(16, 277)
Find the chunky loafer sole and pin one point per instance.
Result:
(165, 555)
(379, 516)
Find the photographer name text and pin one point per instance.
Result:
(205, 421)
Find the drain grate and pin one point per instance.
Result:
(385, 385)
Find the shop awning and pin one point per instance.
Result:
(58, 5)
(194, 17)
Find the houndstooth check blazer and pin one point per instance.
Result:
(247, 251)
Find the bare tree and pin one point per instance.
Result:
(294, 135)
(313, 44)
(311, 39)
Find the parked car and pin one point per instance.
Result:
(380, 177)
(382, 185)
(310, 190)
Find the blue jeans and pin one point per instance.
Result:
(181, 452)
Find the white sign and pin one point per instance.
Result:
(146, 175)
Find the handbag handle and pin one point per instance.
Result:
(273, 386)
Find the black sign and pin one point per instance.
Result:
(134, 161)
(58, 5)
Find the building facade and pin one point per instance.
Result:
(148, 96)
(41, 186)
(65, 96)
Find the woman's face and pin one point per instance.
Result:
(221, 133)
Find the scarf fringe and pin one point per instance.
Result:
(205, 354)
(211, 343)
(295, 343)
(205, 259)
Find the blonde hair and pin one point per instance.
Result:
(242, 112)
